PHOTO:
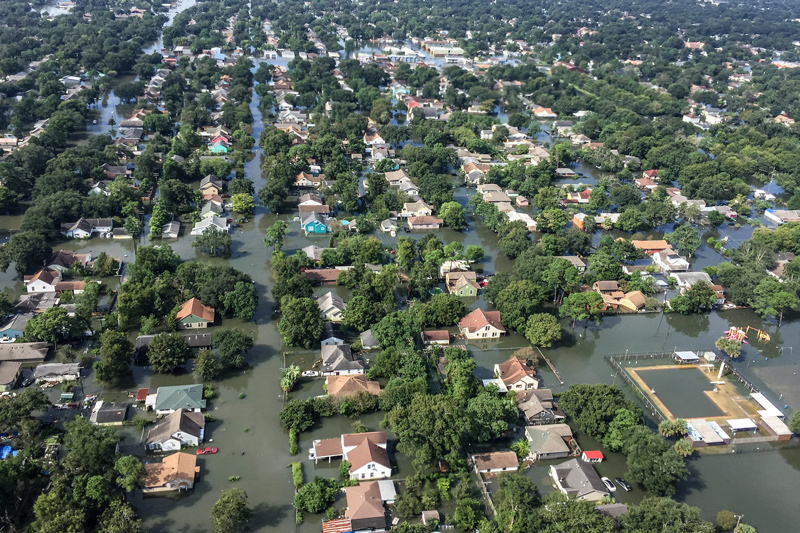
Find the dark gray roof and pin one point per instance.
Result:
(110, 413)
(188, 422)
(579, 478)
(338, 357)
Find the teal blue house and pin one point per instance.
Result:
(217, 148)
(313, 223)
(14, 327)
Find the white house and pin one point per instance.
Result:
(338, 360)
(669, 261)
(366, 453)
(213, 222)
(516, 375)
(85, 227)
(480, 324)
(331, 307)
(179, 428)
(493, 462)
(687, 279)
(44, 280)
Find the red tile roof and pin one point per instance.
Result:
(479, 319)
(196, 308)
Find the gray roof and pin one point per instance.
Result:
(579, 478)
(330, 330)
(56, 369)
(548, 439)
(24, 351)
(328, 300)
(9, 371)
(338, 358)
(16, 322)
(109, 413)
(614, 510)
(368, 340)
(180, 397)
(191, 423)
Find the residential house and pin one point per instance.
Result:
(537, 406)
(36, 302)
(651, 247)
(9, 374)
(171, 230)
(611, 293)
(194, 315)
(424, 222)
(781, 260)
(100, 187)
(543, 112)
(515, 216)
(719, 291)
(320, 209)
(368, 341)
(169, 399)
(462, 283)
(312, 223)
(646, 184)
(669, 261)
(579, 480)
(313, 252)
(24, 352)
(212, 208)
(85, 227)
(416, 209)
(592, 456)
(339, 360)
(516, 375)
(480, 324)
(175, 472)
(577, 197)
(14, 327)
(409, 188)
(63, 260)
(453, 266)
(211, 185)
(576, 261)
(109, 413)
(521, 201)
(687, 279)
(331, 307)
(330, 334)
(493, 462)
(496, 197)
(366, 453)
(304, 179)
(324, 276)
(373, 137)
(365, 509)
(440, 337)
(179, 428)
(632, 301)
(213, 223)
(565, 173)
(781, 216)
(57, 372)
(43, 280)
(350, 384)
(310, 199)
(552, 441)
(395, 177)
(389, 226)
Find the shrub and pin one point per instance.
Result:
(297, 475)
(294, 448)
(233, 478)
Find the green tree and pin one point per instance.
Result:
(297, 415)
(454, 215)
(242, 301)
(230, 512)
(213, 242)
(116, 356)
(28, 249)
(317, 495)
(130, 473)
(395, 329)
(468, 514)
(594, 407)
(695, 299)
(51, 326)
(474, 253)
(794, 422)
(275, 234)
(619, 428)
(551, 220)
(653, 462)
(490, 414)
(300, 323)
(289, 377)
(726, 520)
(729, 346)
(119, 517)
(653, 513)
(605, 266)
(561, 276)
(429, 429)
(542, 329)
(243, 204)
(231, 345)
(771, 298)
(518, 301)
(167, 352)
(685, 239)
(582, 306)
(205, 365)
(515, 502)
(360, 313)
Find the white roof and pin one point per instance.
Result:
(501, 387)
(687, 356)
(741, 424)
(700, 429)
(776, 424)
(769, 408)
(387, 490)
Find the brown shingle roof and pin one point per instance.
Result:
(196, 308)
(365, 453)
(513, 370)
(351, 384)
(176, 466)
(495, 460)
(436, 335)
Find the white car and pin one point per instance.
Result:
(609, 485)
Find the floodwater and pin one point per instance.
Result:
(761, 484)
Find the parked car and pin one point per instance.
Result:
(206, 451)
(609, 485)
(624, 484)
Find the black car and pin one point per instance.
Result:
(622, 483)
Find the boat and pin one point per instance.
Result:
(310, 374)
(94, 121)
(609, 485)
(206, 451)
